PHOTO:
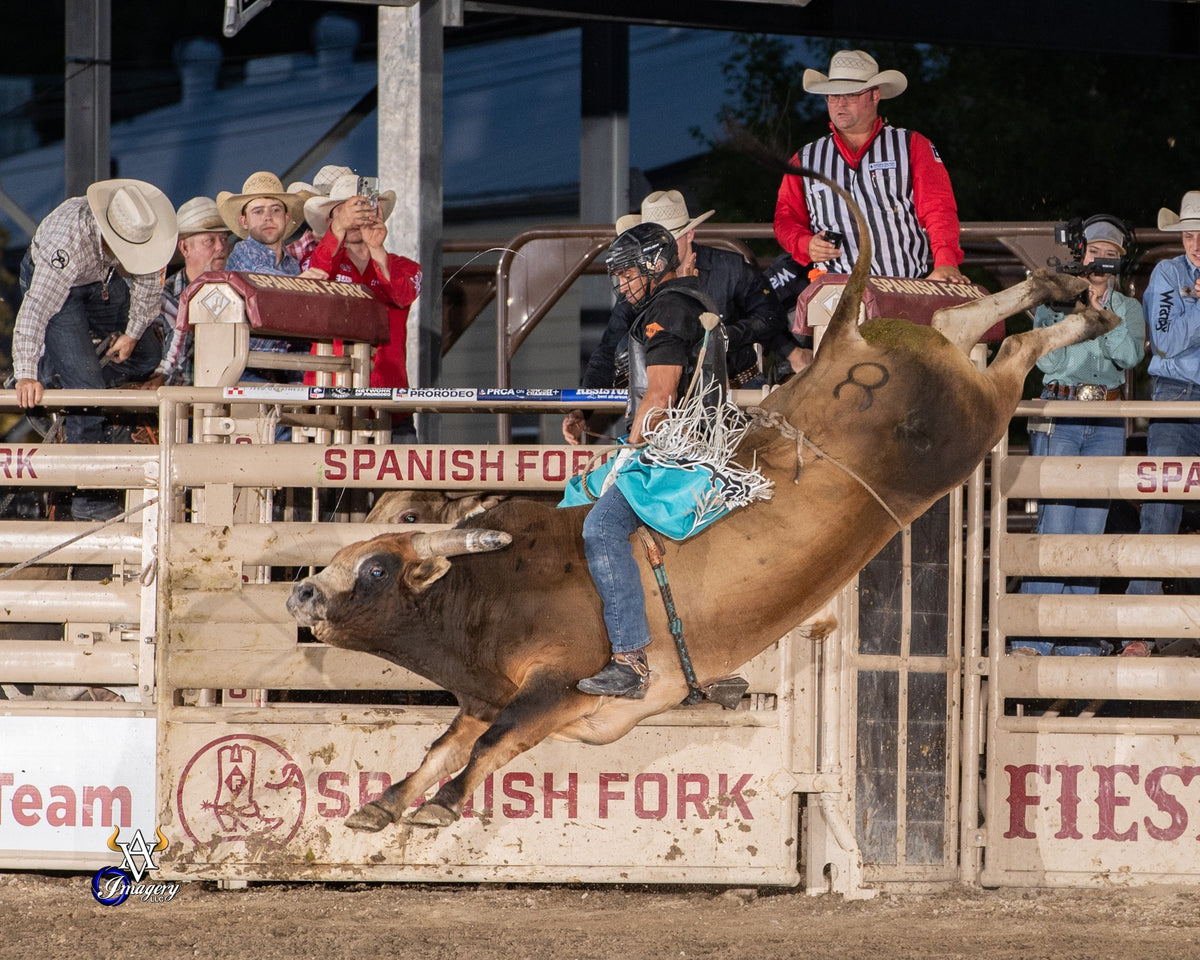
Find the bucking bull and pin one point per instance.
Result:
(888, 419)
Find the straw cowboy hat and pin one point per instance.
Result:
(200, 215)
(317, 210)
(852, 71)
(260, 184)
(1188, 217)
(667, 208)
(137, 222)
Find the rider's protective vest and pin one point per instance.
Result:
(714, 374)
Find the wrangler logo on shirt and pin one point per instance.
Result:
(1163, 322)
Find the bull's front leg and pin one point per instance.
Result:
(965, 324)
(448, 753)
(544, 704)
(1020, 352)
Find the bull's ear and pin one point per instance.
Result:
(426, 572)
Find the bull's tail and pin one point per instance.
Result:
(844, 323)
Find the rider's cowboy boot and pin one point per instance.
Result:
(625, 675)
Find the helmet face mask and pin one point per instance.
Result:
(639, 258)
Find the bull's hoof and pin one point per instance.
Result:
(370, 818)
(430, 814)
(1060, 286)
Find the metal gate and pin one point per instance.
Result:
(1091, 762)
(255, 785)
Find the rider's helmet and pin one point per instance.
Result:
(648, 248)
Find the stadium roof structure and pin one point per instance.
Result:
(1167, 27)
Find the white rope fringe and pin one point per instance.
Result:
(694, 435)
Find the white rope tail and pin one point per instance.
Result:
(694, 436)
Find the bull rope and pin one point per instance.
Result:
(147, 572)
(777, 421)
(654, 553)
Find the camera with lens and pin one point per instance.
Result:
(1073, 236)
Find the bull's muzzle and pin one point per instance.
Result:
(306, 603)
(453, 543)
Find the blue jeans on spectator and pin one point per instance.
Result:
(69, 360)
(1073, 438)
(606, 532)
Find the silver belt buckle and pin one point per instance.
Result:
(1091, 391)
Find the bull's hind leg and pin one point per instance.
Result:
(965, 324)
(447, 754)
(544, 704)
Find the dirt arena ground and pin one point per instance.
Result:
(55, 918)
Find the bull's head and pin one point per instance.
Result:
(364, 574)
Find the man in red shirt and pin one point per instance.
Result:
(895, 176)
(352, 231)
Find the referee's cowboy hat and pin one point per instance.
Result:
(853, 71)
(136, 221)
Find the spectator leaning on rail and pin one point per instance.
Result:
(1172, 303)
(204, 245)
(74, 292)
(353, 230)
(1092, 370)
(743, 296)
(895, 175)
(264, 215)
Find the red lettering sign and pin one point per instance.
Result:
(1106, 790)
(17, 462)
(102, 805)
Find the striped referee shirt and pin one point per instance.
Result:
(903, 189)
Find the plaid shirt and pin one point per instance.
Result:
(250, 256)
(178, 346)
(67, 252)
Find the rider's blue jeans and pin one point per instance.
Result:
(606, 532)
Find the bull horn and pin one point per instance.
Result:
(452, 543)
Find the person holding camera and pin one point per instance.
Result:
(351, 225)
(1091, 370)
(895, 176)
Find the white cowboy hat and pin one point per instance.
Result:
(318, 209)
(1188, 217)
(852, 71)
(320, 183)
(200, 215)
(260, 184)
(137, 222)
(667, 208)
